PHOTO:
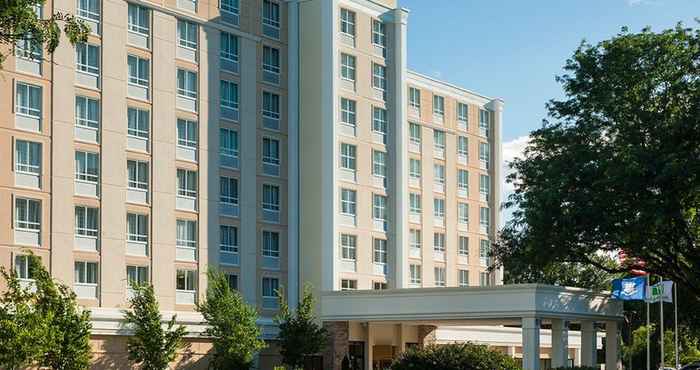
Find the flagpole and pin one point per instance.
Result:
(648, 328)
(661, 324)
(675, 322)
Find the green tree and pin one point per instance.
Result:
(616, 167)
(300, 334)
(574, 274)
(151, 346)
(231, 323)
(19, 21)
(456, 356)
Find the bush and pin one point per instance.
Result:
(466, 356)
(577, 368)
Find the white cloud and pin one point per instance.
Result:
(511, 149)
(642, 2)
(437, 74)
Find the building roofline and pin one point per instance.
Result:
(449, 85)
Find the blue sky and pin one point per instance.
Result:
(513, 49)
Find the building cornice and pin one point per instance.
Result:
(449, 89)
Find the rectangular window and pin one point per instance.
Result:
(186, 236)
(347, 284)
(89, 9)
(379, 163)
(347, 67)
(271, 244)
(463, 180)
(378, 76)
(186, 183)
(136, 275)
(414, 168)
(228, 46)
(484, 122)
(484, 185)
(348, 112)
(87, 112)
(137, 227)
(22, 267)
(484, 218)
(463, 247)
(379, 285)
(414, 97)
(85, 272)
(484, 249)
(230, 6)
(271, 197)
(348, 199)
(271, 105)
(416, 239)
(28, 157)
(378, 33)
(439, 105)
(228, 239)
(439, 174)
(138, 71)
(87, 58)
(187, 83)
(271, 60)
(463, 278)
(347, 22)
(228, 142)
(439, 139)
(27, 214)
(271, 151)
(187, 34)
(463, 213)
(463, 146)
(138, 122)
(138, 19)
(439, 242)
(186, 280)
(484, 154)
(380, 251)
(379, 122)
(229, 94)
(348, 156)
(484, 279)
(270, 287)
(86, 221)
(462, 112)
(440, 276)
(379, 207)
(439, 207)
(414, 133)
(28, 48)
(348, 247)
(28, 100)
(415, 273)
(186, 133)
(414, 203)
(271, 14)
(87, 166)
(228, 190)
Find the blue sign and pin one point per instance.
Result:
(630, 289)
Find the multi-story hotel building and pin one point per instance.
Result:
(283, 142)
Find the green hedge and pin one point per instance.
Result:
(466, 356)
(577, 368)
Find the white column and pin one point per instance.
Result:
(496, 106)
(369, 346)
(531, 343)
(577, 356)
(588, 343)
(612, 350)
(560, 343)
(293, 277)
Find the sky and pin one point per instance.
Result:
(513, 49)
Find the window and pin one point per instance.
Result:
(186, 280)
(87, 166)
(271, 198)
(28, 157)
(86, 221)
(440, 276)
(87, 112)
(463, 278)
(186, 133)
(379, 76)
(138, 122)
(415, 273)
(484, 154)
(136, 275)
(348, 156)
(463, 247)
(186, 236)
(232, 280)
(230, 6)
(379, 163)
(378, 33)
(270, 287)
(379, 122)
(271, 60)
(380, 251)
(186, 83)
(414, 203)
(484, 122)
(28, 48)
(415, 238)
(439, 242)
(271, 244)
(348, 247)
(414, 133)
(271, 151)
(484, 249)
(484, 217)
(348, 200)
(463, 180)
(22, 267)
(484, 279)
(379, 285)
(414, 168)
(228, 236)
(439, 207)
(463, 213)
(89, 9)
(137, 227)
(186, 34)
(28, 101)
(229, 95)
(413, 97)
(138, 19)
(462, 112)
(347, 22)
(463, 146)
(85, 272)
(228, 142)
(271, 105)
(186, 183)
(439, 174)
(438, 105)
(228, 46)
(347, 67)
(228, 190)
(271, 14)
(348, 112)
(347, 284)
(439, 139)
(27, 214)
(484, 185)
(379, 207)
(138, 70)
(87, 58)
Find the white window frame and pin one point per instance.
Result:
(140, 171)
(416, 274)
(463, 246)
(378, 33)
(463, 278)
(186, 234)
(83, 113)
(28, 100)
(485, 153)
(271, 22)
(414, 203)
(463, 213)
(28, 157)
(230, 243)
(142, 68)
(139, 272)
(271, 105)
(414, 168)
(189, 135)
(87, 174)
(347, 22)
(379, 204)
(230, 94)
(348, 247)
(139, 236)
(233, 8)
(187, 34)
(379, 76)
(439, 207)
(484, 121)
(348, 112)
(228, 190)
(416, 238)
(414, 97)
(136, 118)
(274, 201)
(463, 175)
(82, 275)
(271, 60)
(269, 146)
(187, 83)
(413, 129)
(379, 122)
(270, 244)
(270, 287)
(348, 156)
(88, 14)
(348, 284)
(228, 136)
(139, 14)
(439, 242)
(190, 183)
(439, 105)
(439, 139)
(484, 185)
(484, 217)
(30, 218)
(189, 279)
(462, 112)
(440, 276)
(379, 165)
(463, 146)
(82, 216)
(348, 202)
(83, 62)
(229, 47)
(348, 65)
(380, 252)
(439, 174)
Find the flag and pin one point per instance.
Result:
(630, 289)
(662, 290)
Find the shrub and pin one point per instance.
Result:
(457, 356)
(577, 368)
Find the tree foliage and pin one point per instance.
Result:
(300, 333)
(457, 356)
(616, 167)
(19, 21)
(232, 324)
(152, 346)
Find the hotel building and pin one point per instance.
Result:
(283, 142)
